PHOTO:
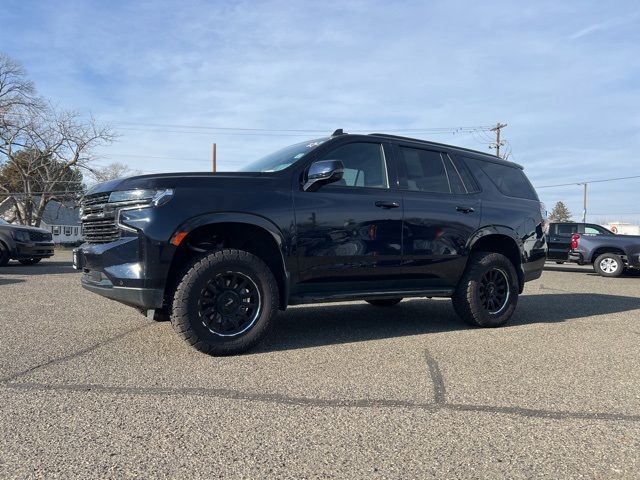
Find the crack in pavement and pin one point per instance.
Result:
(437, 379)
(79, 353)
(282, 399)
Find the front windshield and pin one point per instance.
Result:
(3, 222)
(283, 158)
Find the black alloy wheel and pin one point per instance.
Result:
(494, 290)
(225, 302)
(229, 304)
(487, 293)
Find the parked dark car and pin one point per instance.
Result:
(28, 245)
(609, 254)
(347, 217)
(560, 233)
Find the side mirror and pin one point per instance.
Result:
(323, 172)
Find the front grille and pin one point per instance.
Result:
(99, 219)
(40, 236)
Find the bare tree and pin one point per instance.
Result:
(43, 148)
(113, 171)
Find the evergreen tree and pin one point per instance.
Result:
(560, 213)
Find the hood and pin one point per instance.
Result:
(176, 180)
(23, 227)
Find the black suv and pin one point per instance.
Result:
(348, 217)
(26, 244)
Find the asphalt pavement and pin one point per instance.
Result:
(92, 389)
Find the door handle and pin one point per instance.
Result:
(387, 205)
(465, 209)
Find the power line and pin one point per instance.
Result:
(589, 181)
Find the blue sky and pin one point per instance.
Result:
(565, 76)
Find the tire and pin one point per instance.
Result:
(225, 303)
(4, 255)
(609, 265)
(29, 261)
(387, 302)
(487, 294)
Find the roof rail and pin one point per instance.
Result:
(418, 140)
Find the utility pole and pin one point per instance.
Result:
(213, 157)
(499, 126)
(584, 202)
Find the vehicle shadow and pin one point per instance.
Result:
(331, 324)
(45, 267)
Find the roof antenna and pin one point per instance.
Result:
(337, 132)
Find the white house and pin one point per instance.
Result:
(63, 221)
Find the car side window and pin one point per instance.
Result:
(455, 182)
(424, 170)
(594, 230)
(567, 229)
(364, 165)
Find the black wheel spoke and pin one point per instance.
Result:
(229, 303)
(493, 290)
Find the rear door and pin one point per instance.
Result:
(560, 240)
(440, 214)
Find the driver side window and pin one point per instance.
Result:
(364, 165)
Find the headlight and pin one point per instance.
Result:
(155, 197)
(21, 235)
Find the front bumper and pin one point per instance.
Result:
(145, 298)
(120, 271)
(33, 250)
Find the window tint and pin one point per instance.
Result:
(452, 174)
(468, 180)
(424, 170)
(510, 180)
(364, 165)
(567, 229)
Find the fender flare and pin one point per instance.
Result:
(250, 219)
(495, 230)
(233, 217)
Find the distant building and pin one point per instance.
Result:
(623, 228)
(63, 221)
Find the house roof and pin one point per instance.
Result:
(57, 213)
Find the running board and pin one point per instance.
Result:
(326, 297)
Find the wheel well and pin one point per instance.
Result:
(600, 250)
(243, 236)
(504, 245)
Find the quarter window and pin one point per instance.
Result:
(364, 165)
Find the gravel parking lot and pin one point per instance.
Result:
(90, 388)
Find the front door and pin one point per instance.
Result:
(440, 215)
(349, 232)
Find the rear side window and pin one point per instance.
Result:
(455, 182)
(468, 180)
(424, 170)
(510, 180)
(567, 229)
